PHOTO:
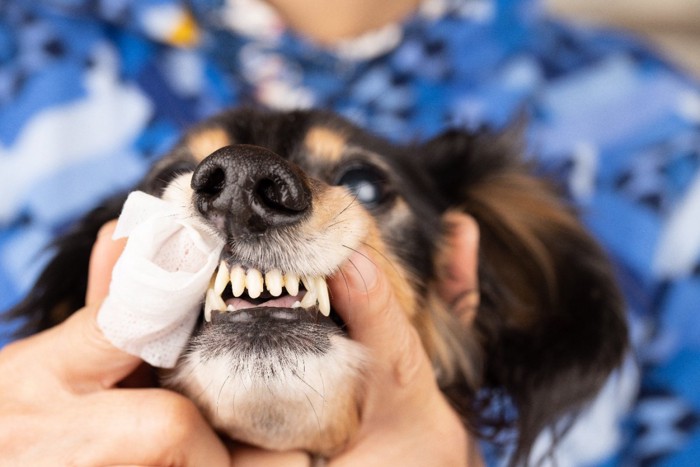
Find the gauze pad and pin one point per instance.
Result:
(158, 283)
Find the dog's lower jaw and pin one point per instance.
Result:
(278, 401)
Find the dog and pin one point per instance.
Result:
(293, 194)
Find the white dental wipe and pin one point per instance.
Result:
(159, 282)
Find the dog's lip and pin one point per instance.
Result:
(260, 315)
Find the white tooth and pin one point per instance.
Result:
(296, 304)
(273, 281)
(291, 283)
(212, 302)
(309, 299)
(308, 283)
(222, 279)
(217, 303)
(254, 283)
(237, 281)
(230, 308)
(207, 308)
(324, 301)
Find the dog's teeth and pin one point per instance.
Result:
(291, 283)
(309, 299)
(207, 308)
(296, 304)
(324, 302)
(308, 283)
(237, 281)
(230, 308)
(213, 301)
(254, 283)
(222, 278)
(273, 281)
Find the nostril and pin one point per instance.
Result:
(279, 196)
(213, 183)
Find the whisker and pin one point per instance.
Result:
(294, 372)
(361, 277)
(336, 223)
(218, 396)
(318, 420)
(352, 201)
(386, 258)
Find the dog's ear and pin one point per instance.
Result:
(551, 322)
(61, 286)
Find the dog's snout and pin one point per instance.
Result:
(245, 189)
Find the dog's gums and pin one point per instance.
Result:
(237, 280)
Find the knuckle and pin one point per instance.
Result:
(171, 415)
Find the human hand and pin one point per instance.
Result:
(406, 420)
(60, 404)
(63, 405)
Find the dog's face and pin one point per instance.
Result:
(271, 362)
(293, 195)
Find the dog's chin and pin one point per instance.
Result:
(276, 377)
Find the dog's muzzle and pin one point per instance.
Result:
(257, 200)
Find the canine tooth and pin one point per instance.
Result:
(216, 300)
(212, 302)
(207, 308)
(230, 308)
(309, 299)
(237, 281)
(324, 302)
(291, 283)
(296, 304)
(222, 278)
(273, 281)
(254, 283)
(308, 283)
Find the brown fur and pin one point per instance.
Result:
(325, 143)
(203, 142)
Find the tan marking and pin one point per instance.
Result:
(325, 143)
(203, 142)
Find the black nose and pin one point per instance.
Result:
(248, 189)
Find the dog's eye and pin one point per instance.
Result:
(367, 183)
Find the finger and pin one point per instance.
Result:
(80, 355)
(249, 456)
(365, 298)
(458, 265)
(104, 255)
(145, 427)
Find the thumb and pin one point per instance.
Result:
(105, 253)
(369, 303)
(82, 356)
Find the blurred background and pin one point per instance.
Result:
(673, 26)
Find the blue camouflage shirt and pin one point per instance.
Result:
(92, 91)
